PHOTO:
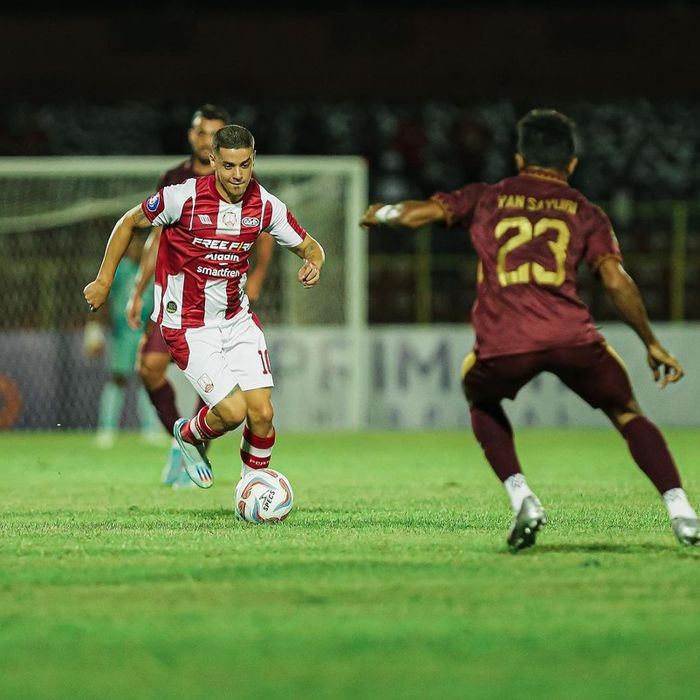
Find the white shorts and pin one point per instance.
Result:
(218, 358)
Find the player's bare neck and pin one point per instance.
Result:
(226, 196)
(545, 173)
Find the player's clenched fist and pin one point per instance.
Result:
(660, 359)
(369, 218)
(309, 274)
(96, 294)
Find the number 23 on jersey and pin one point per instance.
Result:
(527, 231)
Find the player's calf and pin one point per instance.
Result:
(651, 453)
(229, 413)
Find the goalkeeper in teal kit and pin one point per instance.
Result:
(110, 333)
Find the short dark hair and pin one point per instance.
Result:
(233, 136)
(547, 138)
(210, 111)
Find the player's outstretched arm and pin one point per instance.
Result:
(147, 266)
(311, 252)
(627, 301)
(263, 254)
(408, 214)
(96, 292)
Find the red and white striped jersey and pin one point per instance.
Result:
(204, 248)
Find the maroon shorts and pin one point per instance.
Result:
(154, 340)
(594, 372)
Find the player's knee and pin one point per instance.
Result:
(151, 378)
(621, 416)
(261, 414)
(230, 414)
(152, 373)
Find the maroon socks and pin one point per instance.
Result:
(651, 453)
(495, 435)
(163, 400)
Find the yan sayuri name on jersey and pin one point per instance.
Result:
(521, 201)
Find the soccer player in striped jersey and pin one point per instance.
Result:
(154, 357)
(209, 226)
(531, 232)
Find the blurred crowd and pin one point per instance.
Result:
(630, 151)
(637, 149)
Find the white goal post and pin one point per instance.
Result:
(72, 202)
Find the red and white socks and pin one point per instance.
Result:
(255, 450)
(197, 430)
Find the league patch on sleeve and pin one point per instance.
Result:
(152, 203)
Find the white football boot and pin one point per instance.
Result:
(687, 530)
(526, 523)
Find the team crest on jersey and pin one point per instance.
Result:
(171, 307)
(229, 219)
(206, 383)
(250, 221)
(153, 202)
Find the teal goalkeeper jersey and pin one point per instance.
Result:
(119, 296)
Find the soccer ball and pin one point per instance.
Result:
(263, 496)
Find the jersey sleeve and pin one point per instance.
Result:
(601, 242)
(459, 205)
(283, 227)
(166, 205)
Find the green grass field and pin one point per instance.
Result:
(390, 579)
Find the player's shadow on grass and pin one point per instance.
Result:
(604, 547)
(206, 513)
(342, 520)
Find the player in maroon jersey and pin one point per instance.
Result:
(154, 357)
(210, 224)
(531, 232)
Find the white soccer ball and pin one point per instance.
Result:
(263, 496)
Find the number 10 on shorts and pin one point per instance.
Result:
(265, 361)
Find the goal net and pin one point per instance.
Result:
(55, 217)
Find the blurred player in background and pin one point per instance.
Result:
(531, 232)
(154, 356)
(210, 225)
(123, 344)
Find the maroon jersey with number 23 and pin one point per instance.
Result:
(530, 232)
